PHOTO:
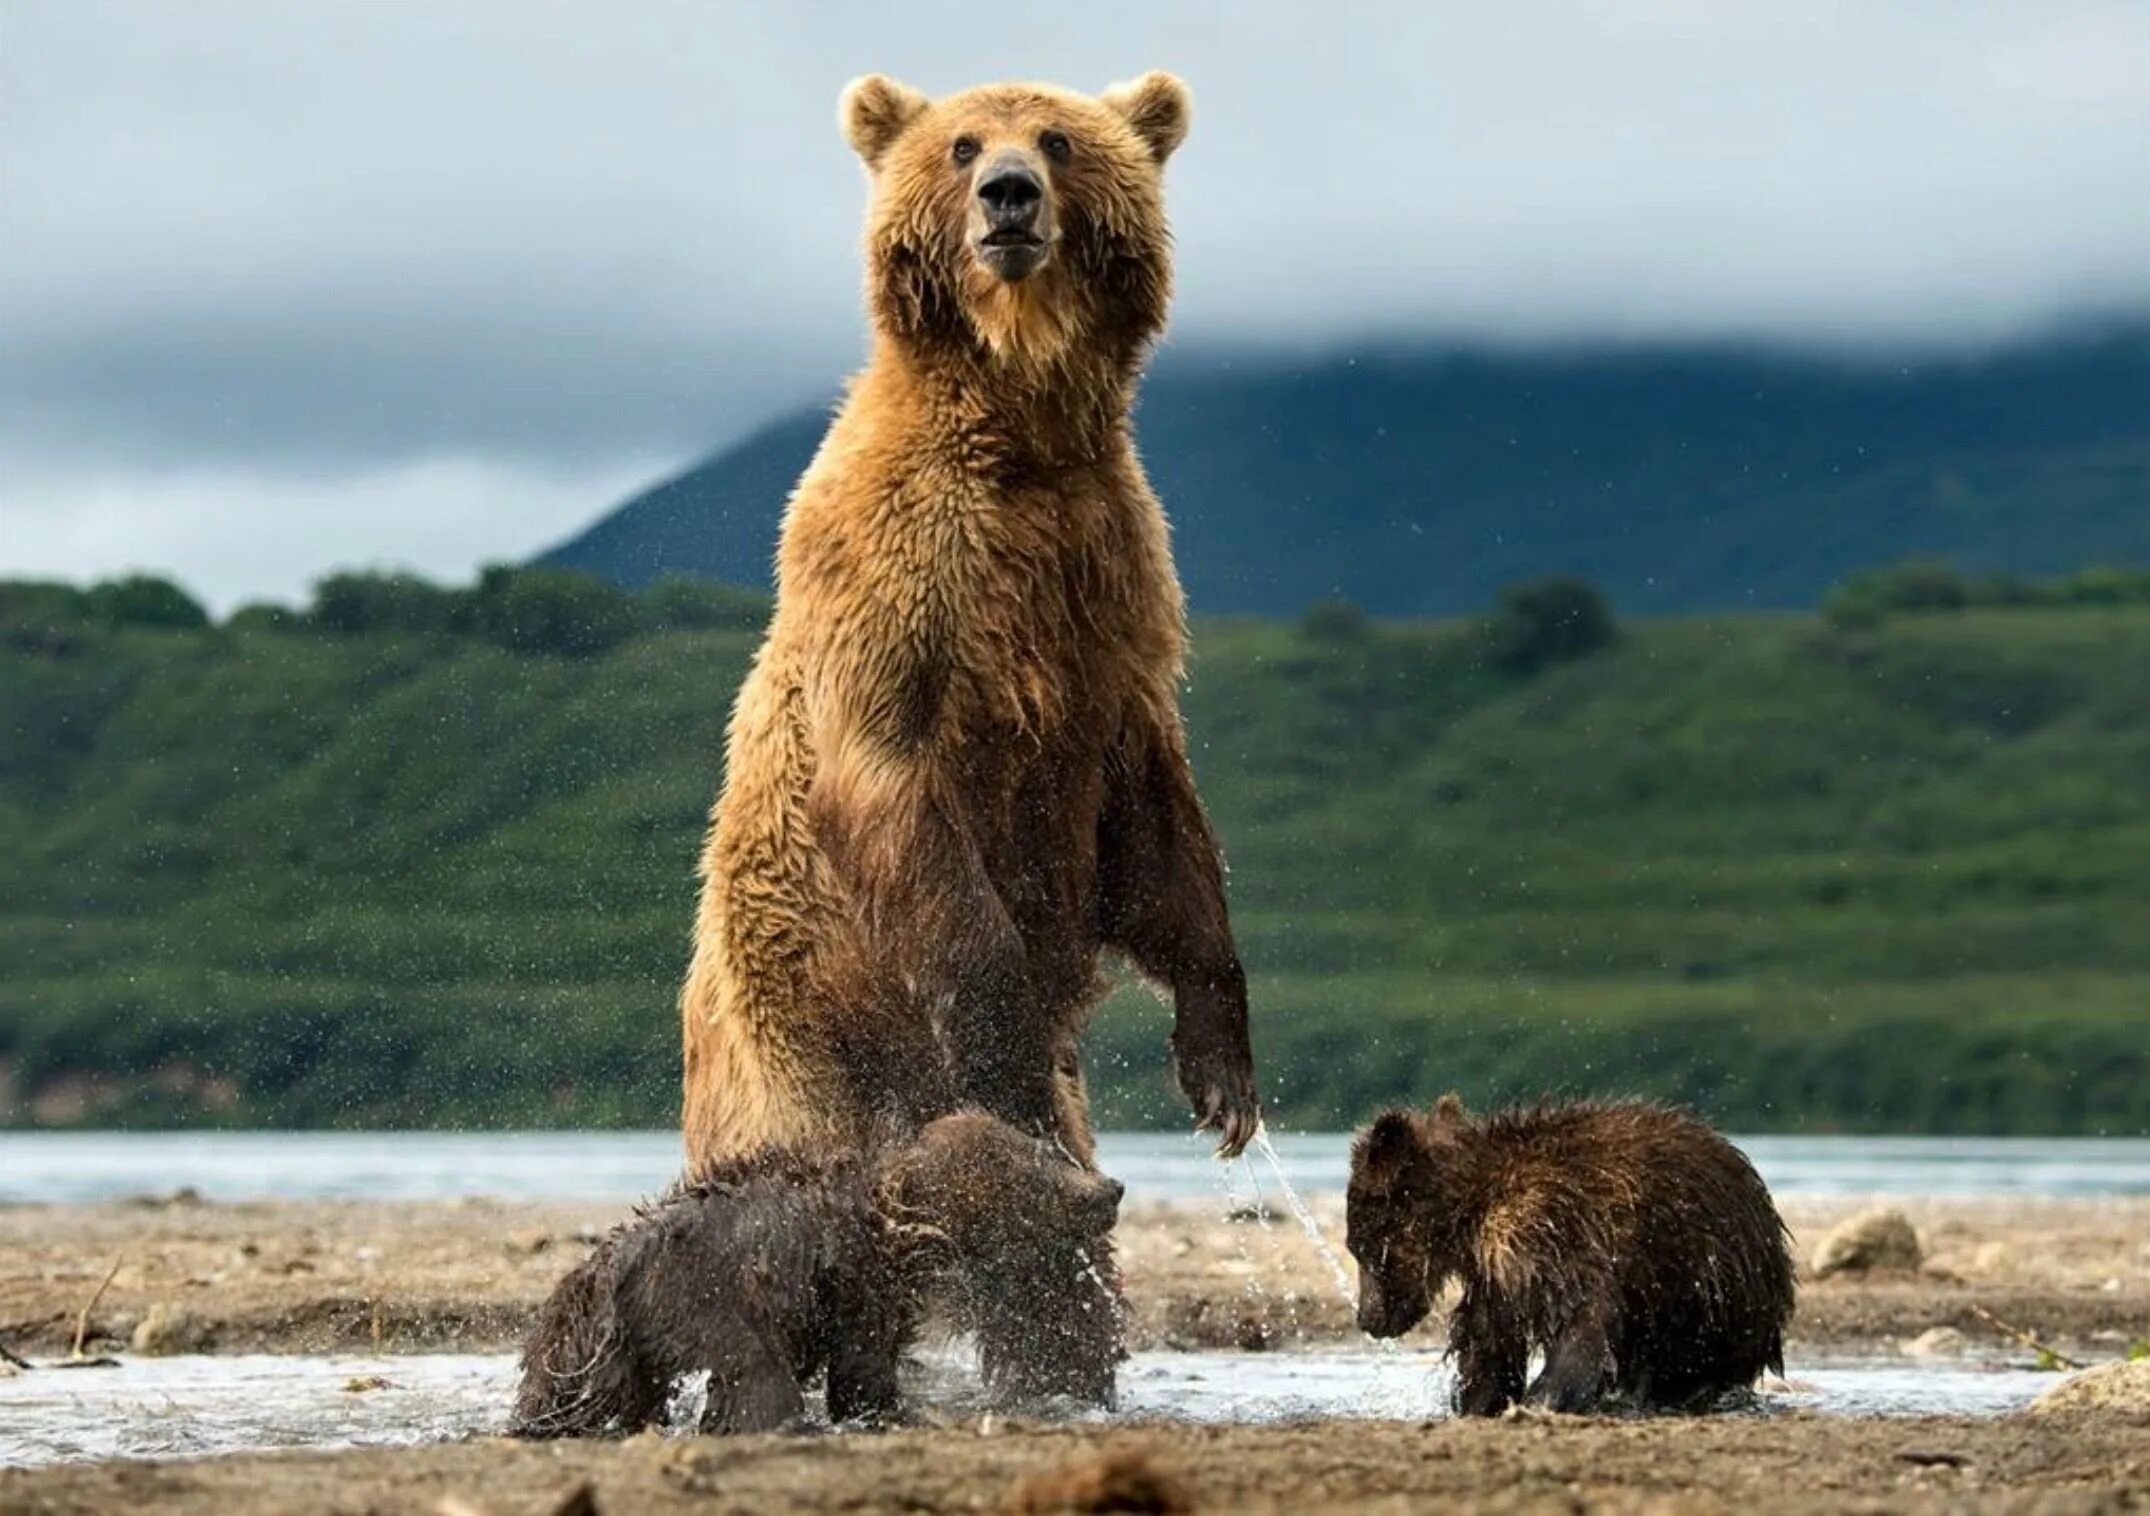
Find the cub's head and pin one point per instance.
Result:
(1398, 1221)
(1018, 218)
(1000, 1198)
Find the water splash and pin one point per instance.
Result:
(1113, 1302)
(1305, 1215)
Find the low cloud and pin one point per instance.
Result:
(258, 243)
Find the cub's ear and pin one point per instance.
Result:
(1392, 1144)
(874, 111)
(1448, 1110)
(1157, 106)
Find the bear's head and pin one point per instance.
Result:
(1019, 222)
(1001, 1200)
(1401, 1223)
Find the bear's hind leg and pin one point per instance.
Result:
(752, 1389)
(1578, 1370)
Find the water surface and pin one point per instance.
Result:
(195, 1406)
(88, 1166)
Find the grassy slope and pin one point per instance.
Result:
(1891, 879)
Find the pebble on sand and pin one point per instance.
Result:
(1873, 1239)
(1936, 1342)
(2108, 1387)
(168, 1329)
(1118, 1479)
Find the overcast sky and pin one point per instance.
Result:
(287, 286)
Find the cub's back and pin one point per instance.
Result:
(1628, 1174)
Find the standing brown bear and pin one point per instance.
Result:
(957, 772)
(1631, 1243)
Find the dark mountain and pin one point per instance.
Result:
(1418, 481)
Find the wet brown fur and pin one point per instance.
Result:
(769, 1271)
(956, 773)
(1632, 1244)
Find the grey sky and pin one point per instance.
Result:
(285, 286)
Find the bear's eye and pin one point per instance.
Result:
(966, 148)
(1055, 146)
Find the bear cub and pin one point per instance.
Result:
(1632, 1244)
(770, 1270)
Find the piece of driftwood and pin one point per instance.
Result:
(2028, 1339)
(82, 1317)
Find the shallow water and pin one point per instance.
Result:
(191, 1406)
(74, 1167)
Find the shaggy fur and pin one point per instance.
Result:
(766, 1272)
(956, 772)
(1630, 1242)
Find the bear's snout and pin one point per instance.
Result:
(1013, 216)
(1012, 195)
(1104, 1202)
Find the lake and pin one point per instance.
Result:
(74, 1167)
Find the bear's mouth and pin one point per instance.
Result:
(1012, 253)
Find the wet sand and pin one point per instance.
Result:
(466, 1276)
(290, 1277)
(1782, 1464)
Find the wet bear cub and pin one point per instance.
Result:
(1633, 1245)
(768, 1271)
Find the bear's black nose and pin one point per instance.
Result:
(1011, 195)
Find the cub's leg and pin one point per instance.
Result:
(751, 1388)
(1578, 1370)
(1492, 1355)
(862, 1372)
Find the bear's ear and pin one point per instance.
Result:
(1448, 1110)
(1391, 1145)
(874, 111)
(1157, 107)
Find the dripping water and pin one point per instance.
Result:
(1305, 1216)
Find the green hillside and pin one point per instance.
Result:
(1883, 875)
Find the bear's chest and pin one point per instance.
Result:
(1017, 601)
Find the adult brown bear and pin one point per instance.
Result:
(957, 771)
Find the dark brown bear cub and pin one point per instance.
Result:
(768, 1271)
(1633, 1245)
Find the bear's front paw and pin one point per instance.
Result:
(1219, 1084)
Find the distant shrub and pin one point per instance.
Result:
(546, 610)
(2105, 586)
(144, 600)
(678, 603)
(1333, 621)
(375, 602)
(41, 616)
(2003, 588)
(1545, 622)
(1915, 585)
(263, 616)
(1924, 586)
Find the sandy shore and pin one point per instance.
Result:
(1784, 1464)
(309, 1277)
(465, 1276)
